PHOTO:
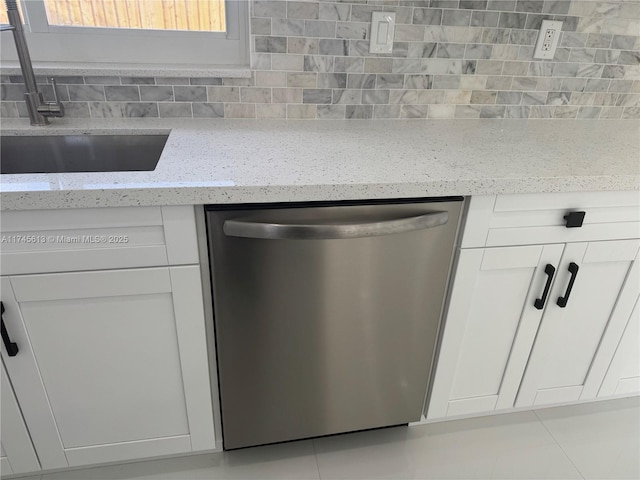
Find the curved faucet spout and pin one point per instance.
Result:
(38, 109)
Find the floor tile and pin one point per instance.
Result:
(598, 440)
(504, 446)
(293, 460)
(602, 439)
(374, 454)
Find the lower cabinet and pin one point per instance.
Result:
(17, 453)
(490, 326)
(112, 365)
(600, 292)
(538, 324)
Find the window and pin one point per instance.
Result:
(135, 32)
(187, 15)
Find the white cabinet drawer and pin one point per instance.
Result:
(526, 219)
(42, 241)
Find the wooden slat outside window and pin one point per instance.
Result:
(194, 15)
(3, 12)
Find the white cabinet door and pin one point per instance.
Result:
(562, 366)
(112, 364)
(18, 455)
(489, 329)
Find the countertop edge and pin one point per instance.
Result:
(14, 201)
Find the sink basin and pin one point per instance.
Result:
(80, 153)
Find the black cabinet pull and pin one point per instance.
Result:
(562, 301)
(550, 271)
(12, 347)
(574, 219)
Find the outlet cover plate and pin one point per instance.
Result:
(383, 27)
(547, 40)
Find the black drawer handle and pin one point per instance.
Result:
(574, 219)
(562, 301)
(12, 347)
(550, 271)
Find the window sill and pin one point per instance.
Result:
(124, 70)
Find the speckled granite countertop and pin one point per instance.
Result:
(239, 161)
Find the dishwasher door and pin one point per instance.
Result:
(326, 316)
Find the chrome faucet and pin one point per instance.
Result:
(38, 109)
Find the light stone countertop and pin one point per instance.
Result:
(246, 161)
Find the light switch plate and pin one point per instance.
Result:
(383, 27)
(547, 40)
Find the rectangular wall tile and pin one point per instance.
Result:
(414, 111)
(347, 96)
(301, 111)
(255, 95)
(308, 10)
(273, 110)
(237, 110)
(122, 93)
(175, 109)
(451, 59)
(79, 93)
(319, 28)
(302, 79)
(386, 111)
(316, 95)
(286, 95)
(336, 112)
(332, 80)
(190, 94)
(223, 94)
(156, 93)
(358, 112)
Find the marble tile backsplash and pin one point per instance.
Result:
(451, 59)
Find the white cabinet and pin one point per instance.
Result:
(17, 453)
(112, 363)
(601, 298)
(490, 326)
(499, 347)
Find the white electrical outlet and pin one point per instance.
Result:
(547, 39)
(383, 27)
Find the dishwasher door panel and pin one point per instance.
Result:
(316, 337)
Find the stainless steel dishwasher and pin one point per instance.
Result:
(326, 315)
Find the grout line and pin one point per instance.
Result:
(315, 456)
(558, 443)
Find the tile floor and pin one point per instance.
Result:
(592, 441)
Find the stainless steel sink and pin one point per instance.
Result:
(80, 153)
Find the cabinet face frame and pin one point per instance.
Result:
(28, 385)
(19, 454)
(627, 353)
(183, 283)
(622, 329)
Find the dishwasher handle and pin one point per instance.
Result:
(280, 231)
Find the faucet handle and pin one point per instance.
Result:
(52, 109)
(55, 90)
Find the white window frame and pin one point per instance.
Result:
(132, 47)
